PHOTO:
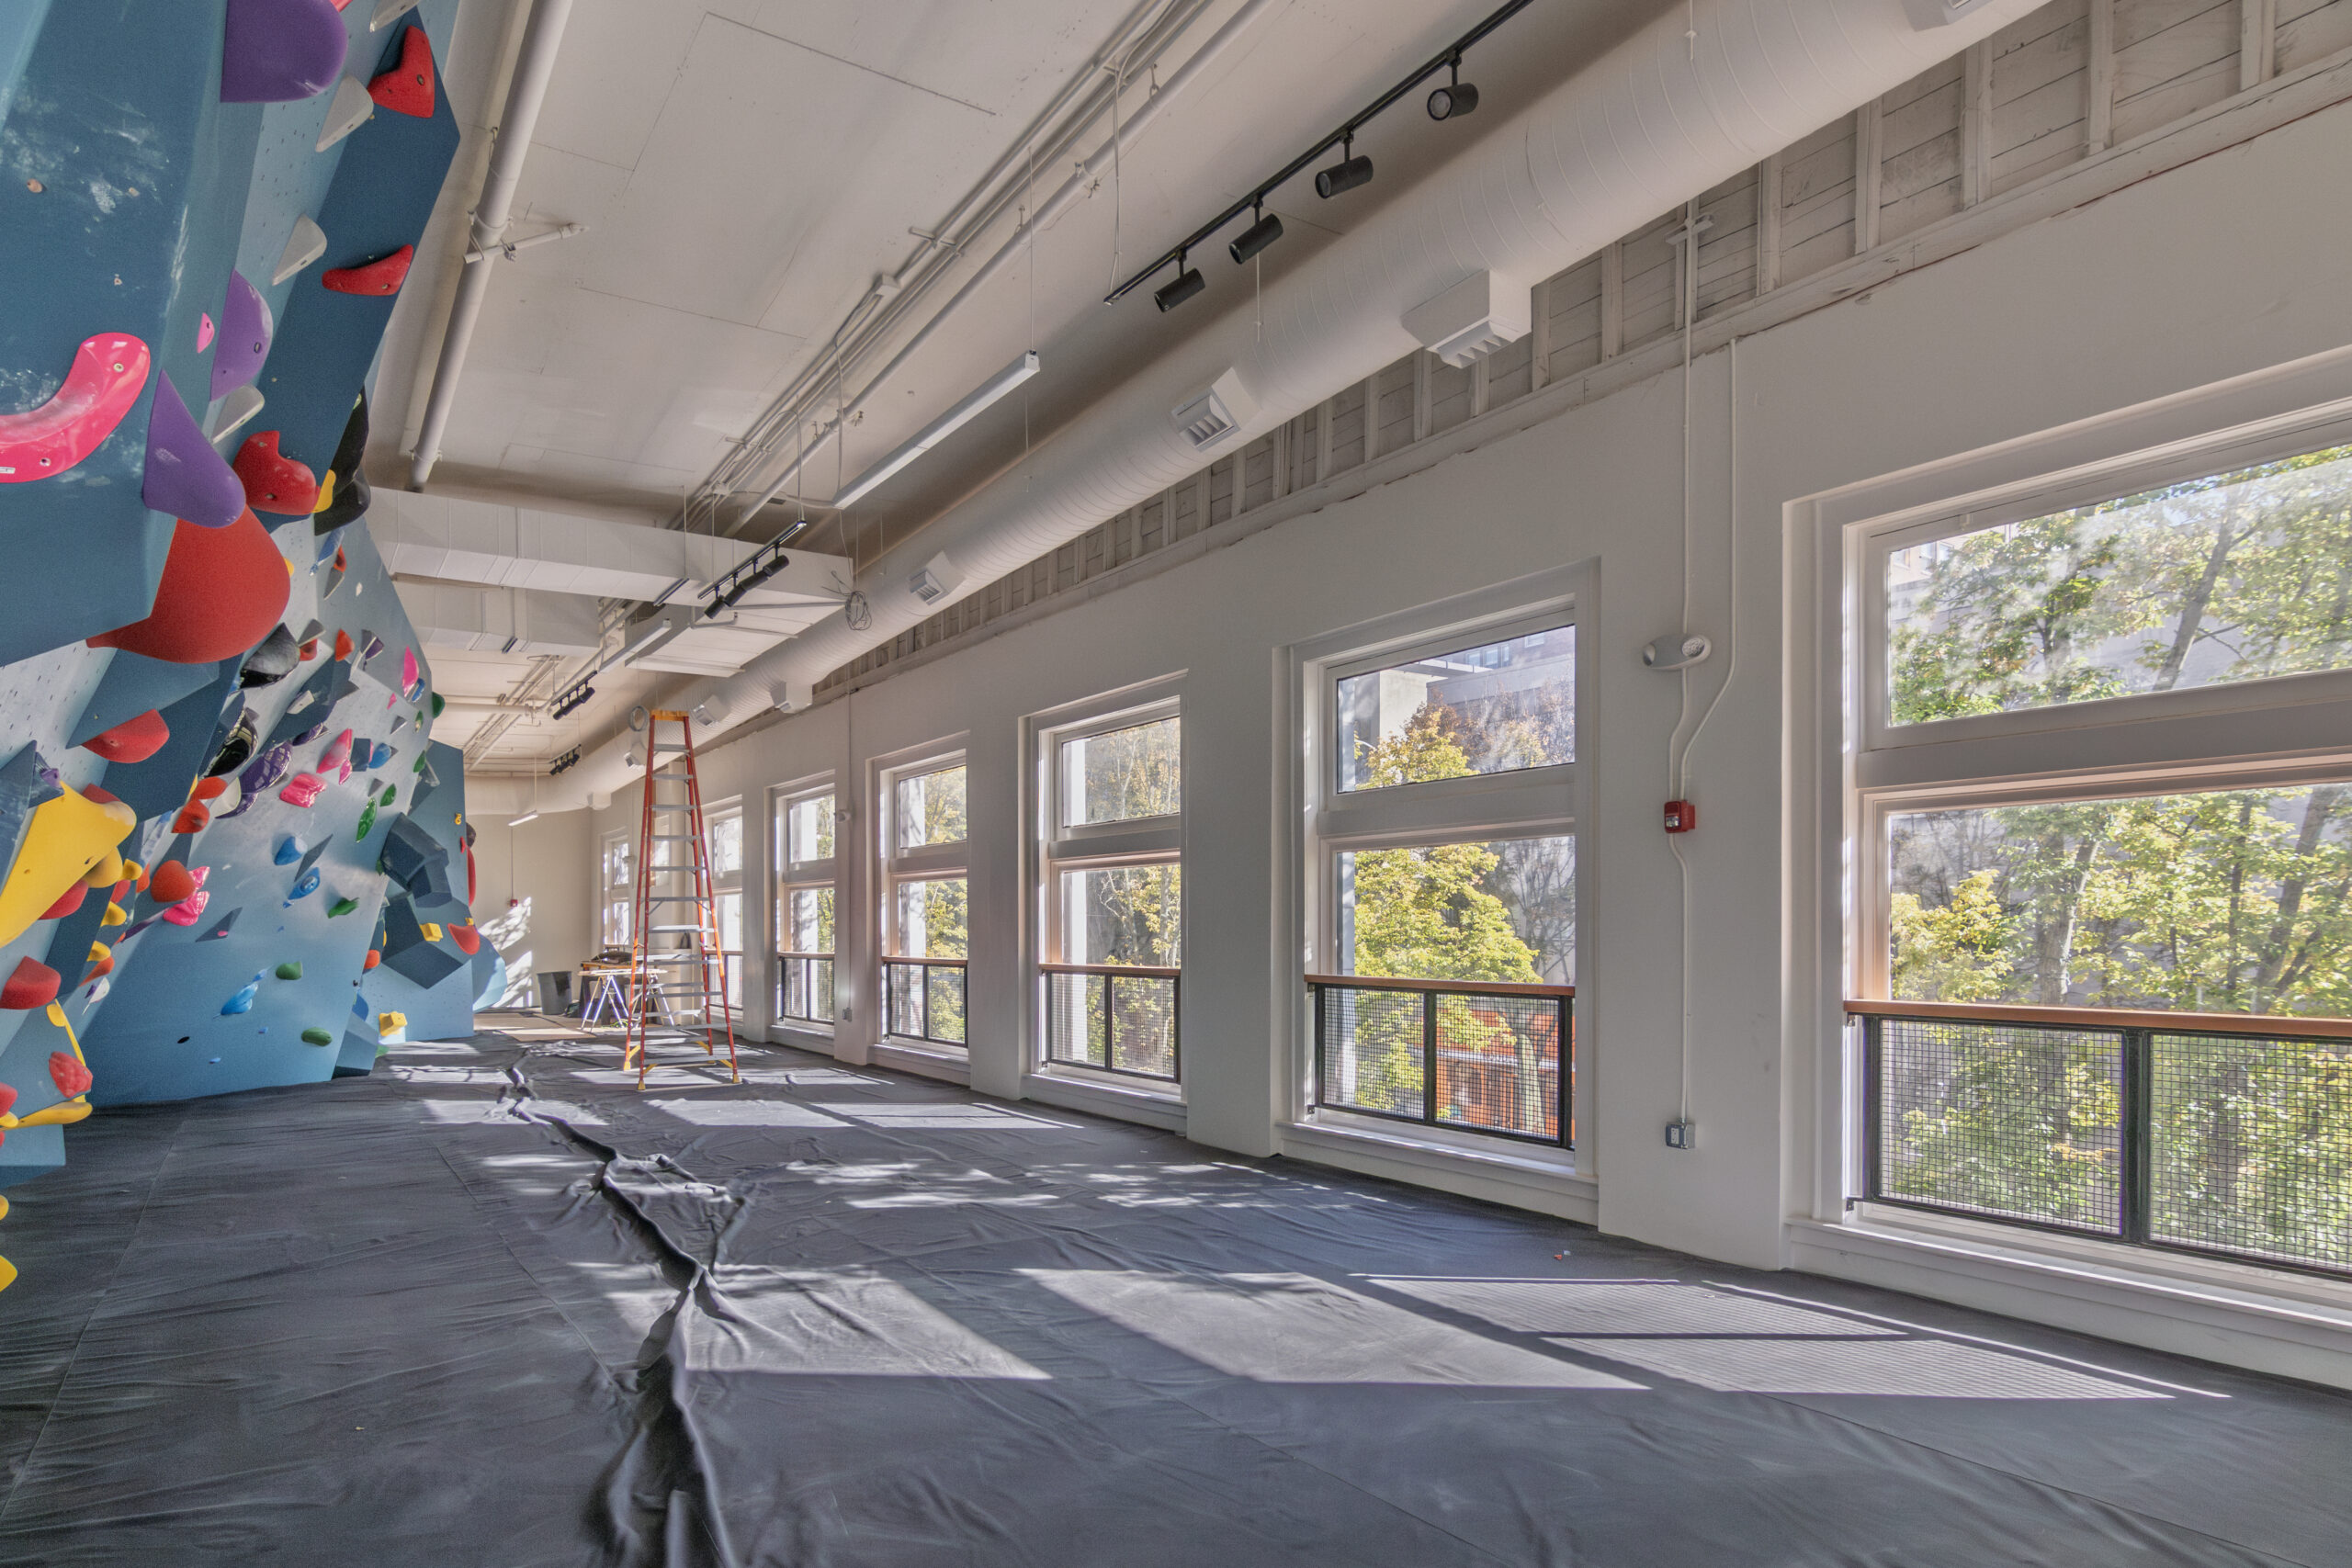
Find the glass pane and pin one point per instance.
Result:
(946, 1006)
(1372, 1051)
(1122, 776)
(932, 922)
(808, 829)
(1129, 914)
(2232, 577)
(930, 808)
(617, 858)
(808, 920)
(1493, 909)
(1143, 1025)
(2253, 1146)
(1074, 1022)
(730, 908)
(2003, 1119)
(616, 920)
(727, 845)
(902, 994)
(1498, 1064)
(1494, 709)
(2222, 901)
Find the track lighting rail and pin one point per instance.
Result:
(1447, 59)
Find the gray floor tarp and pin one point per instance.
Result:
(490, 1306)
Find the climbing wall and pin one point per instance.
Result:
(216, 772)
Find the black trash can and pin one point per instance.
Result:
(555, 992)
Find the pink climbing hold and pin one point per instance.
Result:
(203, 331)
(337, 754)
(107, 374)
(190, 909)
(68, 1073)
(408, 669)
(302, 790)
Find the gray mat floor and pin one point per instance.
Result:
(490, 1307)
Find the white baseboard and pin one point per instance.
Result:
(946, 1066)
(1116, 1102)
(2238, 1316)
(1546, 1184)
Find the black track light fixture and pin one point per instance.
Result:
(1188, 283)
(1256, 237)
(1455, 100)
(1345, 174)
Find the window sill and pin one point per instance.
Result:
(801, 1031)
(2266, 1320)
(1090, 1092)
(945, 1063)
(1520, 1176)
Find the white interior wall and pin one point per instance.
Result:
(2219, 267)
(535, 896)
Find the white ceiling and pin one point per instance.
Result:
(747, 168)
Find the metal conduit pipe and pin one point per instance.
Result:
(527, 89)
(1658, 120)
(1052, 207)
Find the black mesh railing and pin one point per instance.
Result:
(804, 987)
(1479, 1057)
(1114, 1018)
(922, 998)
(2197, 1132)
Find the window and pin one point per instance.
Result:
(925, 913)
(614, 879)
(2103, 978)
(806, 890)
(1443, 917)
(1112, 938)
(725, 839)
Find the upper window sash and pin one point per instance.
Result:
(1151, 835)
(897, 854)
(1336, 675)
(821, 869)
(2050, 496)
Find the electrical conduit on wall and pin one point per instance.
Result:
(1687, 103)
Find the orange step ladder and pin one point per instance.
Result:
(686, 974)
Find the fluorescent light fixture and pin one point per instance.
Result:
(530, 816)
(658, 632)
(940, 429)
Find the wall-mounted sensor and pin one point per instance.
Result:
(1676, 652)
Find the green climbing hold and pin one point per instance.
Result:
(314, 1036)
(389, 791)
(367, 821)
(439, 704)
(291, 970)
(342, 907)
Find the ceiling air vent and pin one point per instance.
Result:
(1471, 320)
(1214, 414)
(935, 582)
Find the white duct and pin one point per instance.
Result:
(1658, 120)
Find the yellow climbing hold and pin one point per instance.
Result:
(64, 1114)
(432, 931)
(132, 870)
(3, 1205)
(7, 1273)
(326, 493)
(391, 1023)
(115, 914)
(66, 839)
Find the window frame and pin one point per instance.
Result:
(616, 897)
(787, 876)
(727, 886)
(1061, 848)
(896, 867)
(1553, 800)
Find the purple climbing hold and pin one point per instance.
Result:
(277, 51)
(266, 769)
(245, 331)
(186, 478)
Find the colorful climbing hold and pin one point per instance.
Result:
(203, 331)
(372, 647)
(306, 887)
(439, 702)
(391, 1023)
(266, 769)
(289, 970)
(184, 476)
(306, 244)
(273, 481)
(67, 902)
(467, 938)
(194, 817)
(350, 110)
(290, 850)
(66, 838)
(337, 755)
(352, 492)
(171, 882)
(374, 958)
(107, 373)
(314, 1036)
(69, 1074)
(343, 645)
(432, 931)
(190, 911)
(367, 823)
(209, 789)
(389, 791)
(223, 589)
(342, 907)
(101, 961)
(383, 276)
(31, 983)
(302, 790)
(245, 331)
(276, 52)
(271, 661)
(115, 914)
(407, 88)
(132, 741)
(243, 1000)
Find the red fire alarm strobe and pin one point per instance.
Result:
(1680, 816)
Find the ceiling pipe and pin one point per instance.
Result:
(1659, 118)
(527, 89)
(1051, 208)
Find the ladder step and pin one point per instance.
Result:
(674, 839)
(673, 778)
(653, 930)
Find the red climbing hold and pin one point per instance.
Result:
(68, 1073)
(67, 902)
(209, 789)
(407, 88)
(132, 741)
(194, 817)
(374, 958)
(275, 482)
(343, 645)
(108, 372)
(309, 650)
(34, 985)
(468, 939)
(222, 591)
(383, 276)
(171, 883)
